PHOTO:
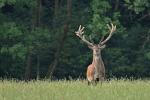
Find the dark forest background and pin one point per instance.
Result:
(37, 38)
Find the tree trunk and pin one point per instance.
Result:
(146, 41)
(116, 5)
(61, 41)
(56, 8)
(36, 12)
(38, 15)
(38, 68)
(28, 64)
(38, 22)
(57, 54)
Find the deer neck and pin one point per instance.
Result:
(99, 66)
(97, 59)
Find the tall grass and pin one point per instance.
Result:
(75, 90)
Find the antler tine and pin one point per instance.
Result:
(112, 28)
(101, 39)
(79, 27)
(109, 26)
(80, 34)
(82, 28)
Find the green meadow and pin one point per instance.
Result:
(75, 90)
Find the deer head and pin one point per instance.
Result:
(96, 47)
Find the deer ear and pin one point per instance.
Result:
(91, 47)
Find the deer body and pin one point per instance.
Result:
(96, 70)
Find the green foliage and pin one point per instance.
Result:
(103, 14)
(2, 2)
(126, 53)
(148, 55)
(10, 38)
(17, 51)
(100, 18)
(29, 3)
(137, 6)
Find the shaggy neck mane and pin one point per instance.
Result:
(98, 64)
(97, 59)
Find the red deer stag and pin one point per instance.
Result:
(96, 70)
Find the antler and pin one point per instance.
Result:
(112, 28)
(80, 34)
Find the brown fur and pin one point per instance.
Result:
(90, 73)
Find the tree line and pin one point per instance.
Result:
(37, 38)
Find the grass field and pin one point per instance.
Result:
(75, 90)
